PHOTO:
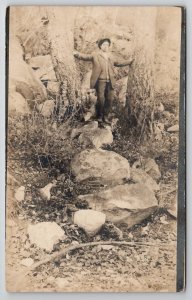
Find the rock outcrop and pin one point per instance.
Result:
(128, 203)
(97, 163)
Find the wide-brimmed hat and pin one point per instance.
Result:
(101, 41)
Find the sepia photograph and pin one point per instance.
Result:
(92, 148)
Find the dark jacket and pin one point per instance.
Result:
(98, 65)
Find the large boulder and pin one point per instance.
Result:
(45, 234)
(22, 78)
(128, 203)
(18, 104)
(43, 67)
(108, 166)
(89, 220)
(97, 138)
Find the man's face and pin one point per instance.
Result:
(105, 46)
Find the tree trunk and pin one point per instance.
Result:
(140, 87)
(61, 40)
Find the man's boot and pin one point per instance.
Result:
(100, 119)
(106, 120)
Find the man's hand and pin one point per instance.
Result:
(76, 53)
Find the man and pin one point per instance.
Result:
(102, 77)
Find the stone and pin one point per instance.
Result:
(98, 137)
(174, 128)
(90, 221)
(45, 234)
(88, 128)
(22, 78)
(53, 88)
(140, 176)
(18, 104)
(47, 108)
(20, 193)
(149, 166)
(128, 203)
(27, 262)
(45, 192)
(108, 166)
(43, 67)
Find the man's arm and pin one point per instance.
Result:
(123, 63)
(86, 57)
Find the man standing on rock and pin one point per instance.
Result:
(102, 77)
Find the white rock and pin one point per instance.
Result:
(27, 262)
(90, 220)
(106, 165)
(46, 191)
(174, 128)
(45, 234)
(20, 193)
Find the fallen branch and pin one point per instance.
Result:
(18, 281)
(64, 251)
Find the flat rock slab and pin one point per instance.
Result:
(98, 163)
(45, 234)
(129, 203)
(89, 220)
(98, 137)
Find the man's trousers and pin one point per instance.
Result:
(105, 95)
